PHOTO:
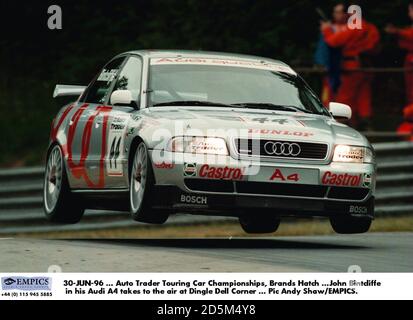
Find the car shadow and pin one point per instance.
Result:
(230, 243)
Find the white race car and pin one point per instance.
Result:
(163, 132)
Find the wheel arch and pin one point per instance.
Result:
(133, 145)
(50, 148)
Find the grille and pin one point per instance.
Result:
(209, 185)
(281, 149)
(345, 193)
(276, 189)
(281, 189)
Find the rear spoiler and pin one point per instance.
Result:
(63, 90)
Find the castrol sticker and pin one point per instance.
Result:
(341, 179)
(221, 173)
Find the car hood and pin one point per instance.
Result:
(237, 122)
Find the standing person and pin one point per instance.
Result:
(357, 45)
(330, 58)
(405, 37)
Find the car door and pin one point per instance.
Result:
(116, 161)
(88, 130)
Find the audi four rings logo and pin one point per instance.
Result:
(282, 149)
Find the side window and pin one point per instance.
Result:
(98, 91)
(130, 77)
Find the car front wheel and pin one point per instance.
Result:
(350, 225)
(141, 189)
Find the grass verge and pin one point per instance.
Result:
(223, 229)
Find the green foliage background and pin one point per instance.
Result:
(33, 58)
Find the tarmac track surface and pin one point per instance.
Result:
(372, 252)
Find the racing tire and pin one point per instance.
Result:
(59, 203)
(259, 226)
(141, 187)
(350, 225)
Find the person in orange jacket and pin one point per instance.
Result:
(405, 37)
(356, 45)
(330, 58)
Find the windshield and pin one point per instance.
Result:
(231, 86)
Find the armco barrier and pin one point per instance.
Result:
(21, 196)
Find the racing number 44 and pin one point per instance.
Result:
(114, 152)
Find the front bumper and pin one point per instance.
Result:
(214, 185)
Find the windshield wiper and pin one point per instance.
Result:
(195, 103)
(271, 106)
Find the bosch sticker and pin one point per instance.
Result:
(358, 210)
(189, 199)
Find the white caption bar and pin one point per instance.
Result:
(202, 286)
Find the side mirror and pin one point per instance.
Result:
(340, 110)
(121, 98)
(63, 90)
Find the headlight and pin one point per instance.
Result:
(343, 153)
(201, 145)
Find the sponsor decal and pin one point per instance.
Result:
(26, 283)
(358, 209)
(280, 132)
(107, 75)
(223, 62)
(115, 126)
(223, 173)
(353, 154)
(189, 169)
(119, 119)
(337, 179)
(367, 180)
(278, 175)
(189, 199)
(206, 147)
(164, 165)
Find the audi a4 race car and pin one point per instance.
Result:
(163, 132)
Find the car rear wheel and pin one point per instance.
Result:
(259, 226)
(350, 225)
(141, 186)
(58, 201)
